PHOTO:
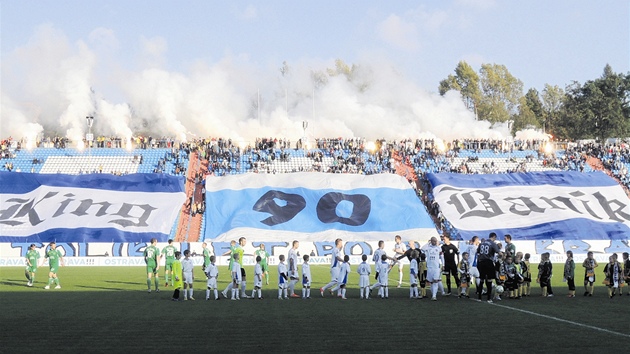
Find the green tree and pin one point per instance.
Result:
(501, 93)
(466, 81)
(552, 100)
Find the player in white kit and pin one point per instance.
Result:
(364, 277)
(472, 254)
(187, 270)
(413, 275)
(335, 263)
(399, 250)
(283, 277)
(212, 272)
(258, 275)
(293, 268)
(306, 278)
(435, 259)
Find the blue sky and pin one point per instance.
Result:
(539, 41)
(113, 43)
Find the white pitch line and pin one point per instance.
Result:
(561, 320)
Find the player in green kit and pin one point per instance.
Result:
(231, 252)
(32, 259)
(169, 253)
(152, 259)
(206, 256)
(260, 252)
(54, 259)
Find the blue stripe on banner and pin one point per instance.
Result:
(16, 183)
(87, 235)
(558, 178)
(572, 229)
(310, 211)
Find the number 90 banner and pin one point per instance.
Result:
(314, 206)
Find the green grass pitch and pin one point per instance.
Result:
(107, 309)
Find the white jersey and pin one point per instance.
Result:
(434, 254)
(306, 274)
(334, 262)
(293, 263)
(364, 271)
(472, 253)
(212, 272)
(282, 269)
(258, 275)
(413, 272)
(377, 257)
(236, 272)
(187, 265)
(344, 270)
(383, 273)
(399, 249)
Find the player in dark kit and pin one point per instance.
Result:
(485, 263)
(450, 264)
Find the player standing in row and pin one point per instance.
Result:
(364, 277)
(450, 251)
(589, 265)
(335, 263)
(260, 252)
(55, 258)
(293, 268)
(169, 253)
(464, 276)
(236, 277)
(377, 258)
(206, 256)
(189, 277)
(435, 259)
(344, 270)
(472, 255)
(399, 251)
(485, 262)
(382, 278)
(306, 278)
(569, 273)
(413, 275)
(258, 275)
(152, 259)
(32, 260)
(177, 276)
(237, 249)
(510, 248)
(283, 278)
(212, 273)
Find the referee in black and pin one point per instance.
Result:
(485, 263)
(450, 264)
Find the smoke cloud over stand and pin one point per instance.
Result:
(51, 84)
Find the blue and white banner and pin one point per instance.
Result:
(534, 206)
(88, 208)
(314, 207)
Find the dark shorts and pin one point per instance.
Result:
(486, 269)
(243, 273)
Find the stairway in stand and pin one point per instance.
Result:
(189, 227)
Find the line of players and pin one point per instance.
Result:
(484, 263)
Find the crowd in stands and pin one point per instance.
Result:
(222, 156)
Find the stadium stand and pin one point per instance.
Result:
(216, 157)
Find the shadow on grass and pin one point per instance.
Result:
(13, 282)
(122, 282)
(101, 288)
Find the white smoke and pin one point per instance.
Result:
(229, 98)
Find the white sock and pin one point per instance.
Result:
(303, 292)
(279, 292)
(400, 277)
(228, 288)
(440, 287)
(259, 293)
(253, 292)
(410, 291)
(308, 292)
(207, 293)
(434, 289)
(216, 293)
(185, 294)
(190, 290)
(343, 292)
(233, 293)
(243, 285)
(285, 292)
(386, 290)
